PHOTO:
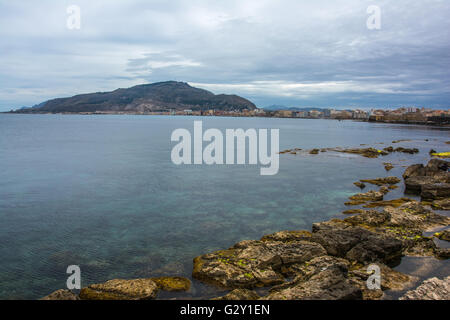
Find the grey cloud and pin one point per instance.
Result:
(300, 53)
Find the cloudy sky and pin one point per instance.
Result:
(285, 52)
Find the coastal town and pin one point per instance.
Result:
(407, 115)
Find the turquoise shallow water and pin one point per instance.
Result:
(101, 192)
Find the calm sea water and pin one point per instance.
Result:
(101, 192)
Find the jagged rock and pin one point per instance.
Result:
(414, 184)
(435, 191)
(382, 181)
(62, 295)
(444, 235)
(285, 236)
(365, 152)
(431, 289)
(390, 280)
(407, 150)
(173, 283)
(139, 289)
(250, 264)
(353, 211)
(323, 278)
(360, 185)
(240, 294)
(368, 196)
(355, 243)
(441, 204)
(389, 203)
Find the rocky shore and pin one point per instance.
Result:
(334, 260)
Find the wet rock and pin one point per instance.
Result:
(384, 190)
(139, 289)
(407, 150)
(360, 185)
(390, 280)
(314, 151)
(285, 236)
(251, 264)
(414, 171)
(365, 152)
(382, 181)
(414, 184)
(441, 204)
(390, 203)
(431, 289)
(354, 243)
(62, 295)
(353, 211)
(240, 294)
(444, 235)
(368, 196)
(388, 166)
(173, 283)
(435, 191)
(355, 202)
(323, 278)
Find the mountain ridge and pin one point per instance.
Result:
(153, 97)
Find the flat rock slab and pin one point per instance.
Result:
(139, 289)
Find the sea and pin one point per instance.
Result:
(101, 192)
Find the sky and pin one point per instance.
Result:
(296, 53)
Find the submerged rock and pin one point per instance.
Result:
(431, 289)
(390, 203)
(388, 166)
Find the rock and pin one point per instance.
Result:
(365, 152)
(250, 264)
(353, 211)
(392, 203)
(442, 155)
(407, 150)
(355, 202)
(314, 151)
(354, 243)
(390, 280)
(444, 235)
(382, 181)
(360, 185)
(173, 283)
(384, 190)
(139, 289)
(240, 294)
(435, 191)
(414, 184)
(388, 166)
(323, 278)
(285, 236)
(431, 289)
(61, 295)
(414, 171)
(368, 196)
(441, 204)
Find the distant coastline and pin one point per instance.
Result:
(442, 121)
